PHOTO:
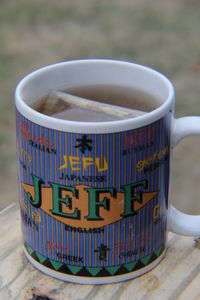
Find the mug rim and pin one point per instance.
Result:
(94, 127)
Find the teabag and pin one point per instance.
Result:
(69, 107)
(49, 106)
(75, 113)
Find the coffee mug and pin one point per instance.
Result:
(94, 196)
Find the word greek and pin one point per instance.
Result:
(70, 258)
(58, 250)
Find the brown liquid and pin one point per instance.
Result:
(115, 95)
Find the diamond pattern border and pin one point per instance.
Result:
(94, 271)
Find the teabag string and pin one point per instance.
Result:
(57, 101)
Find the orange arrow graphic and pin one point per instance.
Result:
(108, 216)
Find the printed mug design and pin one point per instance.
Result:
(93, 204)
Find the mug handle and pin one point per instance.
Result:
(179, 222)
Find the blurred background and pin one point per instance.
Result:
(161, 34)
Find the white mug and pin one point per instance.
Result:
(94, 196)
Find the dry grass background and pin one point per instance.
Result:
(161, 34)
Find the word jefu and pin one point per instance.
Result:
(41, 143)
(77, 163)
(156, 156)
(91, 203)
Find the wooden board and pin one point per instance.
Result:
(176, 277)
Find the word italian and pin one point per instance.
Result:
(38, 142)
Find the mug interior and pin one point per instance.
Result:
(93, 72)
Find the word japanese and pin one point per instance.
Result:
(83, 179)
